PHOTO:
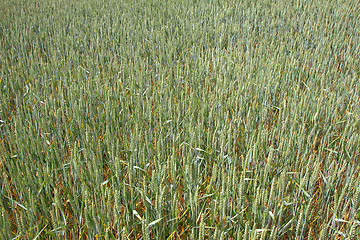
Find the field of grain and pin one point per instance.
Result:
(150, 119)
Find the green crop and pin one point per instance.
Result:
(214, 119)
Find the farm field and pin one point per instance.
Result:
(149, 119)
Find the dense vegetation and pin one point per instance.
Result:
(214, 119)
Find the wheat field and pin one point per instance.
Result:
(149, 119)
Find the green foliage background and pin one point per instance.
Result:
(179, 119)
